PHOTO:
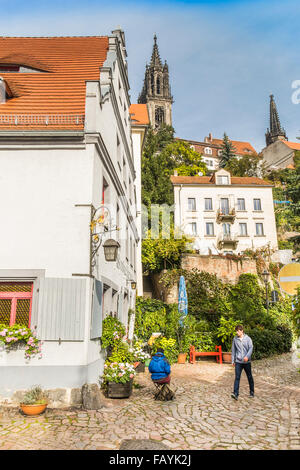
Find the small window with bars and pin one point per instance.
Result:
(15, 303)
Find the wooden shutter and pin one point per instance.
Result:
(61, 309)
(96, 321)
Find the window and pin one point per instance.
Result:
(241, 204)
(226, 229)
(192, 147)
(15, 303)
(257, 204)
(224, 206)
(259, 228)
(222, 179)
(208, 204)
(191, 204)
(192, 228)
(209, 229)
(124, 173)
(208, 151)
(118, 152)
(219, 152)
(105, 191)
(243, 229)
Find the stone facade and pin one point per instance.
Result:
(226, 269)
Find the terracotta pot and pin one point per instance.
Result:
(119, 390)
(33, 410)
(181, 358)
(226, 357)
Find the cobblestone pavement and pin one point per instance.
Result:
(203, 415)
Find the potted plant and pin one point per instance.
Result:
(183, 344)
(35, 401)
(118, 378)
(225, 332)
(140, 357)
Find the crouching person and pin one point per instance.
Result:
(160, 370)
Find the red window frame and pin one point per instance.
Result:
(14, 297)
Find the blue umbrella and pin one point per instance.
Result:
(182, 300)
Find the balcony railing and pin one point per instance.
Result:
(41, 119)
(226, 215)
(227, 239)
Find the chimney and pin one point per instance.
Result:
(210, 137)
(2, 90)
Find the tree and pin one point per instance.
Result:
(248, 165)
(228, 151)
(162, 155)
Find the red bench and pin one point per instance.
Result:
(194, 354)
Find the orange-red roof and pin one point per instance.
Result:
(139, 114)
(292, 145)
(235, 180)
(242, 148)
(65, 63)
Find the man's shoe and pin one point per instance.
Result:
(251, 395)
(233, 395)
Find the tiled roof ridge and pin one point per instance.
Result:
(50, 37)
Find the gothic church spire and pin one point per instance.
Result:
(156, 92)
(275, 132)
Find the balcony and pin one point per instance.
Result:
(226, 215)
(226, 240)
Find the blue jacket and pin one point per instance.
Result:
(241, 348)
(159, 367)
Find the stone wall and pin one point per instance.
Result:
(226, 269)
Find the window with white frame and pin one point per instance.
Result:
(222, 179)
(208, 204)
(191, 204)
(192, 228)
(208, 151)
(241, 204)
(243, 229)
(209, 229)
(257, 204)
(259, 229)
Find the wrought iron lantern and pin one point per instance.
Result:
(111, 249)
(266, 276)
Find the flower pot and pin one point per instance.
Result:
(140, 367)
(226, 357)
(119, 390)
(181, 358)
(33, 410)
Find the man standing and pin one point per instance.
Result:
(241, 351)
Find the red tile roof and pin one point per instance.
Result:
(139, 114)
(235, 180)
(65, 63)
(242, 148)
(292, 145)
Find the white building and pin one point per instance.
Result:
(225, 214)
(65, 149)
(139, 127)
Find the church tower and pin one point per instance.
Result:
(156, 92)
(276, 132)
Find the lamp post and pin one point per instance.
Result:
(266, 277)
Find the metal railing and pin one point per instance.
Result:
(41, 119)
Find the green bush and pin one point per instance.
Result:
(269, 342)
(113, 330)
(150, 317)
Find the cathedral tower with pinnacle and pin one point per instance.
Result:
(275, 132)
(156, 92)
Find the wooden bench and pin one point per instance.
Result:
(194, 354)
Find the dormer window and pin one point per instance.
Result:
(208, 151)
(5, 92)
(223, 179)
(4, 68)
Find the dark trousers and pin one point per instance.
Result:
(238, 370)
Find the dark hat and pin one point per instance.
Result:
(160, 350)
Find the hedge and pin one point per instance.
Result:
(269, 342)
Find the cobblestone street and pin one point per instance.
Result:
(203, 415)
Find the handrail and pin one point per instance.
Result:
(41, 119)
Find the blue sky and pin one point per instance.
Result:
(225, 57)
